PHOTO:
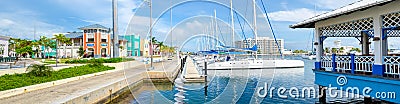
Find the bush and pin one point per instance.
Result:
(100, 60)
(39, 70)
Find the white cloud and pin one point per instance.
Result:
(16, 25)
(330, 4)
(100, 11)
(296, 15)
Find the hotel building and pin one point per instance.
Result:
(265, 45)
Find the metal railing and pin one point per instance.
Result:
(392, 65)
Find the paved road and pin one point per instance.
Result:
(60, 93)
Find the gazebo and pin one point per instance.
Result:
(371, 22)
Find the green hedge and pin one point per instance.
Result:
(21, 80)
(100, 60)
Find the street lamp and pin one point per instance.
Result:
(151, 37)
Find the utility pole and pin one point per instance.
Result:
(115, 29)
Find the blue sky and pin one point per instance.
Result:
(19, 18)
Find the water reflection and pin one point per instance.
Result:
(231, 86)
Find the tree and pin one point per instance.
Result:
(334, 50)
(341, 49)
(66, 42)
(36, 44)
(45, 42)
(81, 51)
(61, 39)
(356, 49)
(327, 50)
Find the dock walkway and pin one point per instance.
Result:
(191, 74)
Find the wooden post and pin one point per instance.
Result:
(367, 100)
(205, 79)
(322, 94)
(205, 71)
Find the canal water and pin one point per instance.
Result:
(237, 86)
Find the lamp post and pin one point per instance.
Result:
(151, 33)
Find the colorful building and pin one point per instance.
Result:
(133, 45)
(144, 47)
(96, 40)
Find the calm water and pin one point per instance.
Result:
(233, 86)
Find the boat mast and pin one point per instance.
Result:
(255, 25)
(170, 22)
(215, 27)
(232, 25)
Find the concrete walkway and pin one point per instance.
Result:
(191, 73)
(65, 92)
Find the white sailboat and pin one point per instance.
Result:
(254, 63)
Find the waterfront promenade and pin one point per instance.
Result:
(66, 92)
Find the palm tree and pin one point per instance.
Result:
(326, 50)
(61, 39)
(67, 41)
(45, 42)
(36, 44)
(341, 49)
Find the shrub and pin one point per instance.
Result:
(100, 60)
(39, 70)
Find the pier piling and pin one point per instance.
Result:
(322, 94)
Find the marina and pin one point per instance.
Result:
(200, 52)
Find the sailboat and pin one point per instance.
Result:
(312, 55)
(253, 63)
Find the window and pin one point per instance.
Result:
(95, 30)
(91, 40)
(103, 40)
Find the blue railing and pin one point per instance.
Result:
(347, 64)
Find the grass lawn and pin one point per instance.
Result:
(21, 80)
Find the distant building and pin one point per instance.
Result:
(4, 46)
(144, 47)
(287, 52)
(134, 44)
(265, 45)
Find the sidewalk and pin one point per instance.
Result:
(68, 91)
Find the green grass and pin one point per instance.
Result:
(100, 60)
(21, 80)
(54, 61)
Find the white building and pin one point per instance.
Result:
(265, 45)
(4, 46)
